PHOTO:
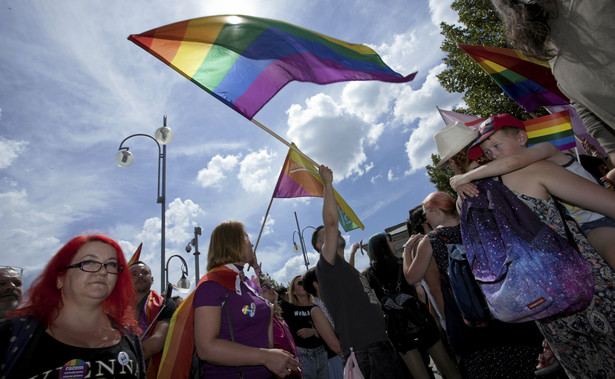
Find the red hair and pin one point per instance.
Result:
(440, 200)
(44, 299)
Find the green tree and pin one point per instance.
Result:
(479, 25)
(440, 176)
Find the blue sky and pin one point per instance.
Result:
(72, 87)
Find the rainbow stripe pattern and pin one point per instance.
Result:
(300, 178)
(528, 81)
(555, 128)
(244, 61)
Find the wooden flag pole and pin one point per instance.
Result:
(284, 142)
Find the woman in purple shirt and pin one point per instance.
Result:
(232, 324)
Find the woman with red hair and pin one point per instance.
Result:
(81, 309)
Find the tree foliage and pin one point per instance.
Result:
(440, 176)
(479, 25)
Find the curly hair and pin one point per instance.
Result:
(526, 23)
(45, 300)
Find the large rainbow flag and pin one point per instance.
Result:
(555, 128)
(244, 61)
(528, 81)
(300, 178)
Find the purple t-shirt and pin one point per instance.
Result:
(250, 317)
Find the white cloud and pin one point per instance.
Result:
(10, 151)
(255, 171)
(181, 219)
(327, 132)
(214, 173)
(441, 11)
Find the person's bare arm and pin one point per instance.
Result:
(215, 350)
(415, 269)
(575, 189)
(155, 342)
(502, 166)
(329, 215)
(325, 330)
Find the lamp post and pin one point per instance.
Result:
(124, 158)
(300, 232)
(195, 243)
(183, 282)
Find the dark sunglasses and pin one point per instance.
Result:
(267, 286)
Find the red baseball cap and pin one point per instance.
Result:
(490, 126)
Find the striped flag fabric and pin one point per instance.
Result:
(452, 116)
(136, 256)
(528, 81)
(555, 128)
(300, 178)
(244, 61)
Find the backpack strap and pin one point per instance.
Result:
(230, 328)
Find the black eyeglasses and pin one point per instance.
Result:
(95, 266)
(267, 286)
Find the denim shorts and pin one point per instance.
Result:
(314, 362)
(599, 223)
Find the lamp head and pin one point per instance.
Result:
(124, 158)
(189, 247)
(183, 283)
(296, 247)
(164, 135)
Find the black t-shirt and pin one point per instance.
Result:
(51, 359)
(299, 317)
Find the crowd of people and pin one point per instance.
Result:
(90, 314)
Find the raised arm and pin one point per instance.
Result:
(329, 215)
(215, 350)
(504, 165)
(325, 330)
(353, 252)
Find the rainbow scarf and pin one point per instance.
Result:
(244, 61)
(152, 306)
(179, 345)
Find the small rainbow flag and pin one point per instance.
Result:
(300, 178)
(136, 256)
(555, 128)
(527, 81)
(244, 61)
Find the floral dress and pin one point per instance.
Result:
(582, 342)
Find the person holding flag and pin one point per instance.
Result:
(153, 314)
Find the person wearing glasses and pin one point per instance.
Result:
(310, 346)
(78, 320)
(153, 313)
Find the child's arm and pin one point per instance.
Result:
(504, 165)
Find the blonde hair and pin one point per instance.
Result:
(291, 292)
(226, 244)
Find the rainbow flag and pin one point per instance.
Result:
(244, 61)
(452, 116)
(527, 81)
(136, 256)
(300, 178)
(555, 128)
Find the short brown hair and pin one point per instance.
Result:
(226, 244)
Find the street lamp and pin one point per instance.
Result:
(183, 283)
(300, 232)
(124, 158)
(195, 243)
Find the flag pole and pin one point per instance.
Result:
(284, 142)
(264, 221)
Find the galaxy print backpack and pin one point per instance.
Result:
(525, 269)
